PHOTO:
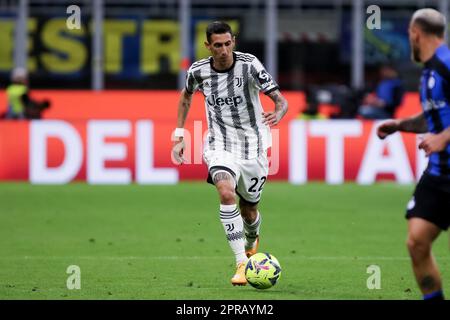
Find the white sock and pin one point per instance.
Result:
(252, 231)
(234, 229)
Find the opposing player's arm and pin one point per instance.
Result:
(435, 142)
(446, 135)
(184, 105)
(281, 107)
(415, 124)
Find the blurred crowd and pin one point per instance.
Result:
(341, 102)
(331, 101)
(20, 105)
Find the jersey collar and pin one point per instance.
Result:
(439, 49)
(211, 62)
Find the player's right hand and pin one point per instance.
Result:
(177, 151)
(271, 118)
(387, 128)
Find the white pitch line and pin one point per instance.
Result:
(354, 258)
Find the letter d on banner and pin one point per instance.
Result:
(40, 131)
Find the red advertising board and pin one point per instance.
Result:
(125, 137)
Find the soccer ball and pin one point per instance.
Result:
(262, 270)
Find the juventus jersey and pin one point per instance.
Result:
(233, 107)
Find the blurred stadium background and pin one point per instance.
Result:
(147, 43)
(113, 86)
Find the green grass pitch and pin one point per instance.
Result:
(166, 242)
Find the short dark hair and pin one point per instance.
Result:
(217, 27)
(430, 21)
(430, 27)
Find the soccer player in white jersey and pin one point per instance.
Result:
(238, 135)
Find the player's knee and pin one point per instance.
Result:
(417, 247)
(227, 196)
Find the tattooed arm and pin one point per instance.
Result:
(184, 105)
(415, 124)
(431, 142)
(281, 107)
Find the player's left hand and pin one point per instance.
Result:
(432, 143)
(178, 150)
(271, 118)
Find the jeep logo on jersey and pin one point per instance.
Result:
(216, 101)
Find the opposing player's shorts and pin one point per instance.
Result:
(249, 175)
(431, 201)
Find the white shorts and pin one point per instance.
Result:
(249, 175)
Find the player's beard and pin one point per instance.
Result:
(415, 53)
(224, 61)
